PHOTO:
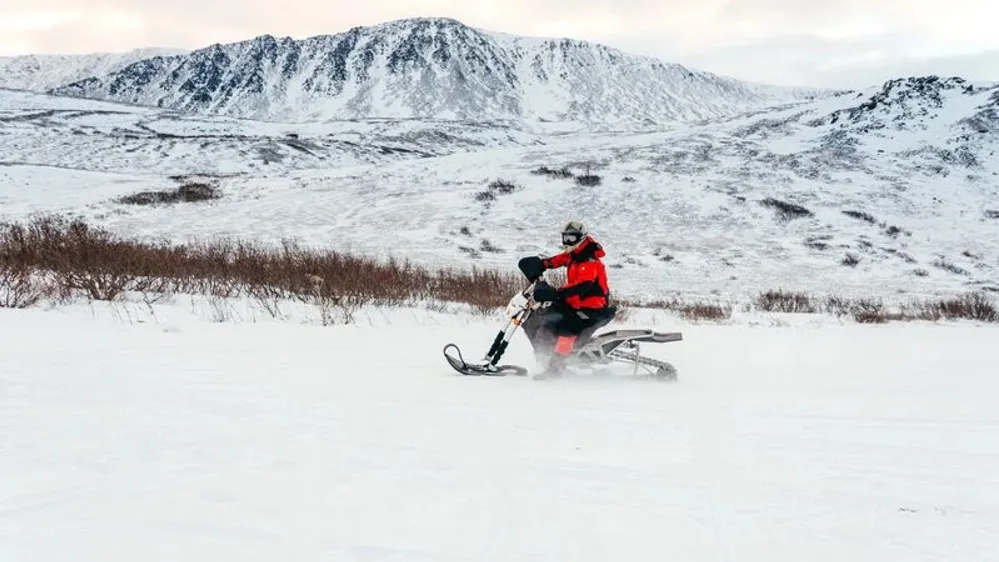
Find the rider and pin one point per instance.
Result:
(581, 302)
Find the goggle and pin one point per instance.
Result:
(571, 238)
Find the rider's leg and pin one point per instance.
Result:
(541, 330)
(567, 330)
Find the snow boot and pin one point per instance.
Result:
(563, 348)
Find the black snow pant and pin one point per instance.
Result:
(546, 325)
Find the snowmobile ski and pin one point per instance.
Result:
(457, 362)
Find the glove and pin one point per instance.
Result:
(532, 267)
(543, 292)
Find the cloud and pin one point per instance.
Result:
(798, 59)
(819, 42)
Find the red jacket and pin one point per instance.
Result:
(586, 277)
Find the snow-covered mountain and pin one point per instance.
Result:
(44, 72)
(429, 68)
(894, 188)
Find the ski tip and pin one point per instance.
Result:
(454, 358)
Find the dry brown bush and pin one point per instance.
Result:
(974, 306)
(692, 311)
(21, 288)
(55, 257)
(188, 193)
(705, 311)
(102, 266)
(785, 301)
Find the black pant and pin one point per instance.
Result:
(547, 324)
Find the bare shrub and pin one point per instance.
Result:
(546, 171)
(945, 265)
(20, 287)
(589, 180)
(102, 266)
(334, 308)
(893, 231)
(672, 305)
(489, 247)
(905, 256)
(784, 301)
(974, 306)
(785, 211)
(503, 187)
(692, 311)
(850, 260)
(79, 258)
(187, 193)
(869, 311)
(860, 215)
(818, 242)
(495, 189)
(705, 311)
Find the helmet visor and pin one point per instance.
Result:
(571, 238)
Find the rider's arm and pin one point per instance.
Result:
(557, 261)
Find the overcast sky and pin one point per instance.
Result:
(841, 43)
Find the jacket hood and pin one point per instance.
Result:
(588, 249)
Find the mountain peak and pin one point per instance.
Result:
(430, 68)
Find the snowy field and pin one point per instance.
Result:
(129, 436)
(878, 180)
(211, 431)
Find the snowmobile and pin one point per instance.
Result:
(592, 350)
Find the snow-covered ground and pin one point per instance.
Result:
(899, 180)
(214, 430)
(129, 435)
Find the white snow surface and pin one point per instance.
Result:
(130, 433)
(430, 68)
(679, 210)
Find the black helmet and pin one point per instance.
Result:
(572, 235)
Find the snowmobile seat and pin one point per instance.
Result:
(586, 335)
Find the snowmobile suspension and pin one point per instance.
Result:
(502, 339)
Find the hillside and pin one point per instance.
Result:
(429, 68)
(890, 189)
(44, 72)
(103, 136)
